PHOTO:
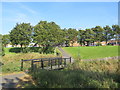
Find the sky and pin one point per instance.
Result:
(78, 15)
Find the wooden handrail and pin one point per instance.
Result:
(51, 61)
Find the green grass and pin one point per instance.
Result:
(11, 62)
(92, 52)
(7, 51)
(93, 74)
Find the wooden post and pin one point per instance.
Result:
(61, 61)
(51, 63)
(58, 63)
(55, 62)
(21, 64)
(31, 65)
(70, 59)
(42, 64)
(65, 62)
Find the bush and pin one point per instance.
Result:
(47, 50)
(26, 50)
(98, 44)
(15, 50)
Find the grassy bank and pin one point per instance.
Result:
(92, 52)
(93, 74)
(11, 62)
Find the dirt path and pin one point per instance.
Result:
(65, 54)
(10, 81)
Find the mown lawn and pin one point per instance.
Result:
(92, 52)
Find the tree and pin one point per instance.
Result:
(98, 36)
(21, 34)
(108, 33)
(66, 38)
(81, 37)
(5, 40)
(47, 35)
(89, 36)
(116, 31)
(72, 35)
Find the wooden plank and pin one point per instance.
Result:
(41, 58)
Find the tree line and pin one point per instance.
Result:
(49, 34)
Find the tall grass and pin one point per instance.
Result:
(12, 62)
(81, 74)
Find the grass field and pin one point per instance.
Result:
(11, 62)
(92, 52)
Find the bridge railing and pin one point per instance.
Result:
(46, 63)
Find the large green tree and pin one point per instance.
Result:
(21, 34)
(72, 35)
(81, 37)
(89, 36)
(47, 34)
(98, 36)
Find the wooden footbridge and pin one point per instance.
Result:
(45, 63)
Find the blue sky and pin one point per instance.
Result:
(66, 14)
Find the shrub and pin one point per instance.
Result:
(26, 50)
(15, 50)
(98, 44)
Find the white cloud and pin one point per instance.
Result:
(27, 8)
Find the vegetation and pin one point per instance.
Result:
(5, 40)
(71, 36)
(82, 74)
(98, 34)
(2, 53)
(48, 35)
(92, 52)
(21, 34)
(12, 62)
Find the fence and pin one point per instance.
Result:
(45, 63)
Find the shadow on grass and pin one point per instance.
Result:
(15, 50)
(30, 49)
